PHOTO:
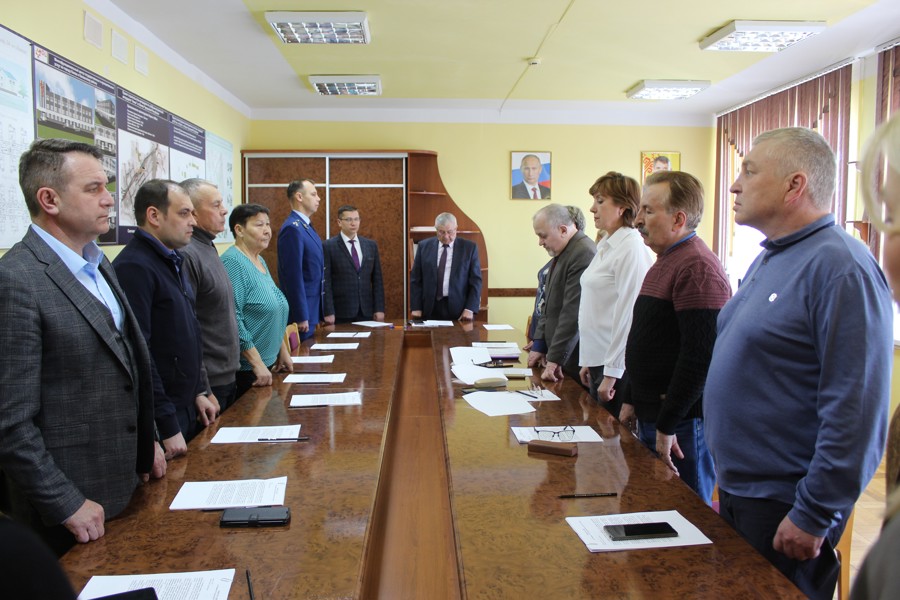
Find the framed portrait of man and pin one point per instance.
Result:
(530, 176)
(656, 160)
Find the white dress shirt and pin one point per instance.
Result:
(609, 287)
(350, 246)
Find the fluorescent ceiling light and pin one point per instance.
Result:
(761, 36)
(346, 85)
(320, 27)
(665, 89)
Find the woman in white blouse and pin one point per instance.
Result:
(609, 287)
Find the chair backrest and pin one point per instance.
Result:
(292, 336)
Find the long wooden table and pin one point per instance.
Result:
(415, 494)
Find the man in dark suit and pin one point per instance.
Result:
(76, 397)
(555, 346)
(301, 260)
(155, 280)
(353, 286)
(530, 187)
(445, 282)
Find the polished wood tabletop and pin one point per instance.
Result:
(415, 494)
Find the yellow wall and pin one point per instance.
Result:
(474, 161)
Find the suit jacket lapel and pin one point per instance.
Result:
(83, 300)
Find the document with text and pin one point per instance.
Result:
(468, 373)
(497, 326)
(433, 323)
(312, 360)
(242, 435)
(349, 334)
(343, 346)
(213, 495)
(583, 433)
(314, 400)
(315, 378)
(466, 355)
(591, 532)
(373, 324)
(500, 349)
(195, 585)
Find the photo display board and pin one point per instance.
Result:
(44, 95)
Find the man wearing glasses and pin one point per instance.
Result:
(445, 282)
(353, 284)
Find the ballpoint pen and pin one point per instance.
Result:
(301, 438)
(250, 585)
(595, 495)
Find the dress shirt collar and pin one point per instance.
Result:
(347, 240)
(303, 217)
(681, 241)
(73, 261)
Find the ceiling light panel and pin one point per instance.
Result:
(761, 36)
(346, 85)
(320, 27)
(665, 89)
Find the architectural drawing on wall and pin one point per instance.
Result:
(140, 160)
(65, 106)
(16, 132)
(184, 166)
(220, 171)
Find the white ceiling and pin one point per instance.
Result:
(466, 60)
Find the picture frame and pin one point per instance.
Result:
(656, 158)
(524, 173)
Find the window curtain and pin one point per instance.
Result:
(822, 103)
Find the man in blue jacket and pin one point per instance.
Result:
(445, 282)
(155, 282)
(301, 261)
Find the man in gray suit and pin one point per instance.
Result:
(555, 346)
(76, 398)
(354, 290)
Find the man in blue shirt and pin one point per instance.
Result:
(797, 393)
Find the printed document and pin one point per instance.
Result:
(344, 346)
(583, 433)
(315, 378)
(213, 495)
(196, 585)
(591, 532)
(497, 327)
(312, 360)
(466, 355)
(240, 435)
(373, 324)
(471, 373)
(314, 400)
(350, 334)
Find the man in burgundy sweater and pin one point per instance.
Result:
(674, 328)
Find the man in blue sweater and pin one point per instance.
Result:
(798, 387)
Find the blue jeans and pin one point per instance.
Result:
(696, 468)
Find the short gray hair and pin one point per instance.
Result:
(555, 215)
(577, 217)
(444, 218)
(195, 183)
(801, 149)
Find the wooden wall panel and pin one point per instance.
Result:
(365, 170)
(381, 214)
(285, 169)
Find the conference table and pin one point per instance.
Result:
(416, 494)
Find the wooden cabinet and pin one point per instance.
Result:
(398, 194)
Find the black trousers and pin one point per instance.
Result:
(757, 520)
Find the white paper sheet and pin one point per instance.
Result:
(433, 323)
(212, 495)
(466, 355)
(312, 360)
(315, 400)
(517, 372)
(315, 378)
(583, 433)
(470, 373)
(495, 404)
(538, 395)
(196, 585)
(241, 435)
(373, 324)
(496, 326)
(350, 334)
(343, 346)
(500, 349)
(590, 530)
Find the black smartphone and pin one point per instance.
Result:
(639, 531)
(263, 516)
